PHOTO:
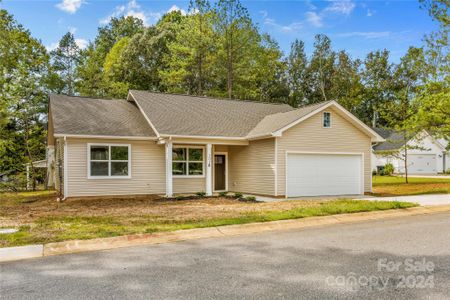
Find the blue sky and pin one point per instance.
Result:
(355, 26)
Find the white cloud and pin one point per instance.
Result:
(176, 8)
(52, 46)
(367, 34)
(133, 9)
(314, 19)
(82, 43)
(70, 6)
(292, 27)
(370, 12)
(344, 7)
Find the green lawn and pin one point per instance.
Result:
(396, 186)
(41, 220)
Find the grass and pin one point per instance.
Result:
(396, 186)
(86, 219)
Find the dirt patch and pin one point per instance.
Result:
(26, 210)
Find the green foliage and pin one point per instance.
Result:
(238, 195)
(223, 194)
(25, 80)
(201, 194)
(65, 58)
(388, 170)
(250, 198)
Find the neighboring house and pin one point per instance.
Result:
(426, 155)
(154, 143)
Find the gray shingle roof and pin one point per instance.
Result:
(272, 123)
(201, 116)
(87, 116)
(394, 140)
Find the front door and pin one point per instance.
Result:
(219, 172)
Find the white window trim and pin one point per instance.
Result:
(187, 161)
(89, 176)
(323, 119)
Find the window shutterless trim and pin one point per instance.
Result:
(187, 161)
(323, 119)
(109, 176)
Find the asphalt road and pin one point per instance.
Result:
(361, 260)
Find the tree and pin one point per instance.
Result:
(400, 112)
(113, 70)
(25, 80)
(237, 37)
(65, 58)
(90, 69)
(297, 64)
(191, 54)
(377, 77)
(321, 70)
(346, 86)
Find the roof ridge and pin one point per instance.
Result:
(86, 97)
(213, 98)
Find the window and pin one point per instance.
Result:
(109, 161)
(187, 161)
(326, 119)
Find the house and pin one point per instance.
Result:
(154, 143)
(426, 155)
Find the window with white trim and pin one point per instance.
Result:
(327, 119)
(107, 160)
(187, 161)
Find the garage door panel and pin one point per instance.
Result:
(422, 164)
(323, 174)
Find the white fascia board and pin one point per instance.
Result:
(86, 136)
(130, 95)
(203, 137)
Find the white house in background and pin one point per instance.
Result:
(426, 156)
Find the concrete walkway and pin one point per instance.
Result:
(428, 176)
(423, 200)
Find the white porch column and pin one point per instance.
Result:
(169, 181)
(209, 170)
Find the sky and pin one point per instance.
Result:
(355, 26)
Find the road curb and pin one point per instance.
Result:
(74, 246)
(21, 252)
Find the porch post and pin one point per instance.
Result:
(208, 169)
(169, 188)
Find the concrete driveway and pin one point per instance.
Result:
(319, 263)
(423, 200)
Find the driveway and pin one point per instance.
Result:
(318, 263)
(423, 200)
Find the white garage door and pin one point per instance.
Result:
(422, 164)
(323, 174)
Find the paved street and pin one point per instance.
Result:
(361, 260)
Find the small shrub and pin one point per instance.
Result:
(223, 194)
(180, 197)
(201, 194)
(388, 169)
(250, 198)
(374, 173)
(237, 195)
(447, 172)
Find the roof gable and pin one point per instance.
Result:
(278, 123)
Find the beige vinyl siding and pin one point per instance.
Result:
(189, 185)
(310, 135)
(252, 168)
(147, 170)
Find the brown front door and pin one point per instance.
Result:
(219, 172)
